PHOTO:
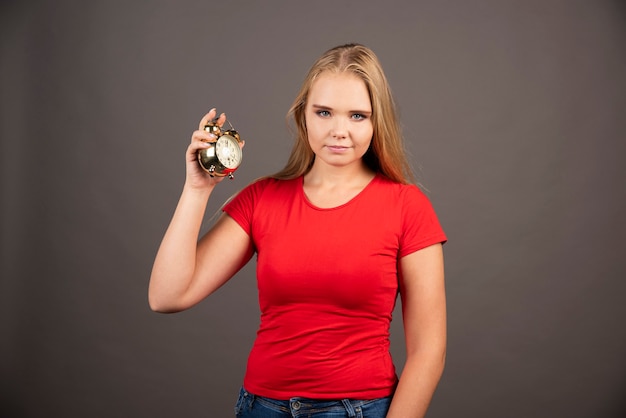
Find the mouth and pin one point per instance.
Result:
(337, 148)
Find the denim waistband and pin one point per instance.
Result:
(251, 406)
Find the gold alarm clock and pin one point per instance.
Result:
(224, 156)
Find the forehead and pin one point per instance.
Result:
(338, 90)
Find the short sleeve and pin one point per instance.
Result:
(241, 207)
(420, 225)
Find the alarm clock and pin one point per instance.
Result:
(224, 155)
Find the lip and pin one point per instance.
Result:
(337, 148)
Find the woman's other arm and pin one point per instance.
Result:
(424, 315)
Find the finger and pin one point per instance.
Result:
(194, 148)
(207, 118)
(203, 136)
(196, 145)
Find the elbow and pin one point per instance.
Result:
(443, 360)
(440, 361)
(159, 307)
(165, 298)
(156, 307)
(430, 359)
(159, 304)
(436, 360)
(161, 299)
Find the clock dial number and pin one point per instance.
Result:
(228, 152)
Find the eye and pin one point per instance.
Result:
(359, 116)
(323, 113)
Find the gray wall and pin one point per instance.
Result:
(514, 113)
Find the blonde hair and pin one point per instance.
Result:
(386, 154)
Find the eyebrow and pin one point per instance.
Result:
(322, 107)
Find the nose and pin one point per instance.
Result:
(339, 128)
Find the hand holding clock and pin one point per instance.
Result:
(219, 151)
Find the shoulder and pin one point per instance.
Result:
(265, 186)
(270, 184)
(408, 201)
(398, 191)
(257, 195)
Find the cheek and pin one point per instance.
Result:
(314, 130)
(309, 125)
(367, 134)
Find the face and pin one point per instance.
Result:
(339, 119)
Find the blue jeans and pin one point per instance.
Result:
(252, 406)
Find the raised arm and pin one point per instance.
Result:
(186, 270)
(424, 315)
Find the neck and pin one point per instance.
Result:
(325, 175)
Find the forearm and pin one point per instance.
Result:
(417, 385)
(175, 262)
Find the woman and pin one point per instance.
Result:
(338, 233)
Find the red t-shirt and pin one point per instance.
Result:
(327, 281)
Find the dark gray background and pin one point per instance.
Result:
(514, 114)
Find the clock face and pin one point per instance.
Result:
(228, 152)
